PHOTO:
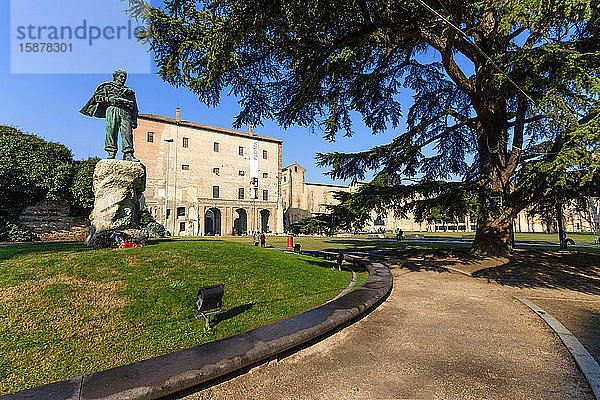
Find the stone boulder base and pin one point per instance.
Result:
(154, 230)
(118, 186)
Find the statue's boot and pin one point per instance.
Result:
(130, 157)
(112, 155)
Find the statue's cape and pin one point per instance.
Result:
(94, 108)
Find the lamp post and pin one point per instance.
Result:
(169, 141)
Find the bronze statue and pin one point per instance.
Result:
(115, 102)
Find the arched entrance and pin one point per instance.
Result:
(240, 223)
(212, 222)
(264, 220)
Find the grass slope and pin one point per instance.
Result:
(66, 310)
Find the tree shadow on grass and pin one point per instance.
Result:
(11, 251)
(234, 312)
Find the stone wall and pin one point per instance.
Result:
(49, 220)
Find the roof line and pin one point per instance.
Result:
(327, 184)
(207, 127)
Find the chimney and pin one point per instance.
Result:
(251, 127)
(177, 114)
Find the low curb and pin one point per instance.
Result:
(583, 358)
(170, 373)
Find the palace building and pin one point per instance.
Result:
(204, 180)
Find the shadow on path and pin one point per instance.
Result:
(571, 270)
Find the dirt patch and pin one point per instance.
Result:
(582, 318)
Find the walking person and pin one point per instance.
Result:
(255, 237)
(399, 234)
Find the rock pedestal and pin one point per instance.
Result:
(118, 186)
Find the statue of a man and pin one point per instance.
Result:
(115, 102)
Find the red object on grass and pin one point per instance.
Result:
(290, 244)
(123, 244)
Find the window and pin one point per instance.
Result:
(285, 178)
(241, 193)
(185, 142)
(216, 170)
(242, 173)
(150, 137)
(265, 174)
(215, 192)
(181, 226)
(264, 154)
(295, 169)
(265, 195)
(168, 212)
(185, 167)
(181, 211)
(241, 150)
(216, 147)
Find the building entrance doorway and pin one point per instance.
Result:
(264, 220)
(240, 223)
(212, 222)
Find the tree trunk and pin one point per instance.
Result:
(562, 236)
(494, 234)
(494, 237)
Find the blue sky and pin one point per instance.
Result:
(48, 104)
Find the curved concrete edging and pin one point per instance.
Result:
(170, 373)
(585, 361)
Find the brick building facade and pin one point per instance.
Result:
(220, 181)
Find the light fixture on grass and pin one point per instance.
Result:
(208, 302)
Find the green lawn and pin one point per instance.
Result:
(66, 310)
(542, 238)
(354, 243)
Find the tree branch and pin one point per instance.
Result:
(526, 120)
(515, 153)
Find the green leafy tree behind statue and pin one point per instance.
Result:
(31, 170)
(505, 94)
(81, 188)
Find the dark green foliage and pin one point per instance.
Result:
(146, 217)
(31, 168)
(311, 225)
(317, 62)
(14, 232)
(81, 188)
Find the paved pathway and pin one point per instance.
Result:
(439, 335)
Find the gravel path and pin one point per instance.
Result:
(439, 335)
